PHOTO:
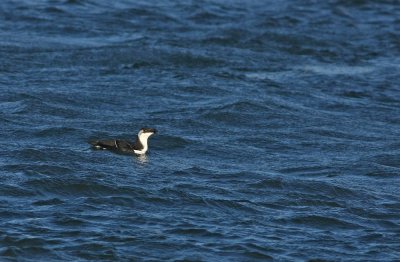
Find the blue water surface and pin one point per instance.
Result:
(279, 126)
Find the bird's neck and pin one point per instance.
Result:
(143, 140)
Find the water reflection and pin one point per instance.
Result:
(141, 159)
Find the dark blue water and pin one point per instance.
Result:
(279, 127)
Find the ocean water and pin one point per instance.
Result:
(279, 127)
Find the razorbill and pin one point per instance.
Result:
(140, 146)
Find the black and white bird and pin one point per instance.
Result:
(140, 146)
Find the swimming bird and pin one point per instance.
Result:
(140, 146)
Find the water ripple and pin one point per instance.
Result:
(278, 130)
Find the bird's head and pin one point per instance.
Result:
(145, 133)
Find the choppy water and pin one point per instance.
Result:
(279, 126)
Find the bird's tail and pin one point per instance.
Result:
(96, 144)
